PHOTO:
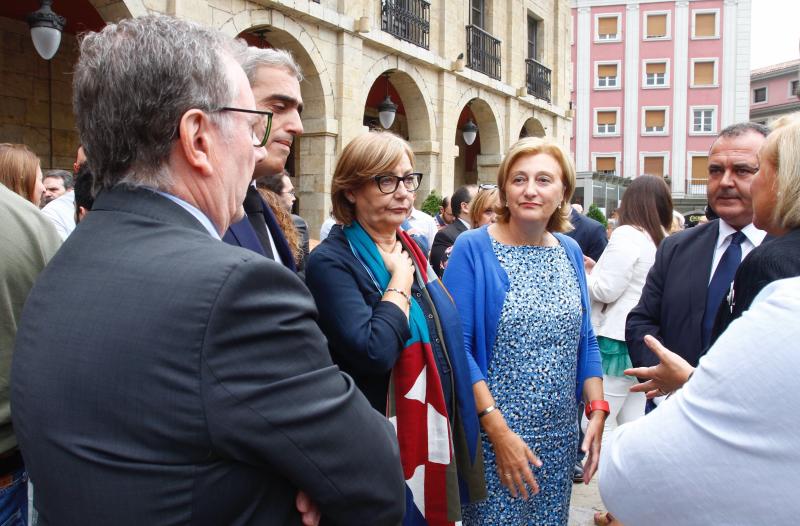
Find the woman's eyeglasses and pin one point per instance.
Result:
(487, 186)
(389, 183)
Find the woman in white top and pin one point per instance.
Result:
(615, 285)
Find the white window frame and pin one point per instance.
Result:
(714, 111)
(664, 155)
(616, 155)
(715, 60)
(617, 84)
(696, 12)
(766, 95)
(689, 156)
(595, 128)
(597, 18)
(668, 36)
(667, 79)
(657, 133)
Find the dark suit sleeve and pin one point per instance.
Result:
(597, 242)
(441, 242)
(645, 318)
(368, 334)
(273, 398)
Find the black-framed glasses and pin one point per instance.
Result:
(487, 186)
(260, 128)
(389, 183)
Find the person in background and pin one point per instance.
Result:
(520, 289)
(56, 183)
(422, 224)
(590, 234)
(483, 209)
(28, 241)
(445, 215)
(61, 211)
(83, 192)
(20, 172)
(393, 327)
(615, 283)
(678, 222)
(444, 239)
(294, 227)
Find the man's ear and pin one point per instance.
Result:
(195, 140)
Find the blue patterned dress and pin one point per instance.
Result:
(532, 377)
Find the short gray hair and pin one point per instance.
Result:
(61, 174)
(133, 82)
(741, 128)
(256, 57)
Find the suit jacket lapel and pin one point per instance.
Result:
(700, 271)
(241, 234)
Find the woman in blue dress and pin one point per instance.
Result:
(520, 289)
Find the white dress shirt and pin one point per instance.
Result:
(753, 238)
(724, 448)
(196, 213)
(61, 211)
(424, 224)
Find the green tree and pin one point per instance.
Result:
(432, 203)
(597, 214)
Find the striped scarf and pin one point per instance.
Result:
(439, 450)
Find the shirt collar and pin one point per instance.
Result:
(466, 223)
(196, 213)
(754, 235)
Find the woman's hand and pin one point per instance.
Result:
(513, 458)
(591, 444)
(668, 376)
(399, 265)
(588, 264)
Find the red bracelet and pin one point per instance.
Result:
(597, 405)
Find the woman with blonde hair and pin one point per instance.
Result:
(482, 210)
(520, 288)
(21, 172)
(391, 325)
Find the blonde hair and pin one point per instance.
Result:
(18, 169)
(285, 222)
(782, 150)
(363, 158)
(484, 199)
(559, 221)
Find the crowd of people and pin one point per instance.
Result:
(184, 353)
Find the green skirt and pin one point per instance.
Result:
(615, 356)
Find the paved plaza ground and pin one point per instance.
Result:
(585, 502)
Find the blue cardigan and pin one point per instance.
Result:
(479, 285)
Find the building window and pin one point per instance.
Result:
(608, 28)
(408, 20)
(656, 26)
(607, 76)
(698, 177)
(606, 122)
(705, 24)
(654, 166)
(655, 74)
(533, 30)
(760, 95)
(477, 10)
(704, 73)
(655, 121)
(703, 120)
(794, 88)
(605, 165)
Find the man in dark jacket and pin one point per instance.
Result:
(445, 237)
(590, 234)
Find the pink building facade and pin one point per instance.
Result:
(654, 82)
(774, 91)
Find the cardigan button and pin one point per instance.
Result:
(430, 316)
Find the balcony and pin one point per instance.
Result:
(537, 78)
(483, 52)
(407, 20)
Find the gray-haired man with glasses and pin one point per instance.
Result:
(161, 376)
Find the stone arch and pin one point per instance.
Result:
(490, 135)
(532, 127)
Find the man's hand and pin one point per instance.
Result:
(308, 510)
(669, 375)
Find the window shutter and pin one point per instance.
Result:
(703, 73)
(699, 170)
(654, 166)
(652, 68)
(607, 26)
(606, 117)
(607, 70)
(657, 25)
(606, 164)
(654, 118)
(705, 25)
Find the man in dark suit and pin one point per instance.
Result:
(160, 375)
(445, 237)
(275, 80)
(694, 268)
(590, 234)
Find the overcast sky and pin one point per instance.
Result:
(775, 33)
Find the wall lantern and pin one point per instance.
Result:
(46, 28)
(469, 132)
(387, 109)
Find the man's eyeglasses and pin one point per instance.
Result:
(260, 128)
(389, 183)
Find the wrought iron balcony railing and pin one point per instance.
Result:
(537, 77)
(483, 52)
(408, 20)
